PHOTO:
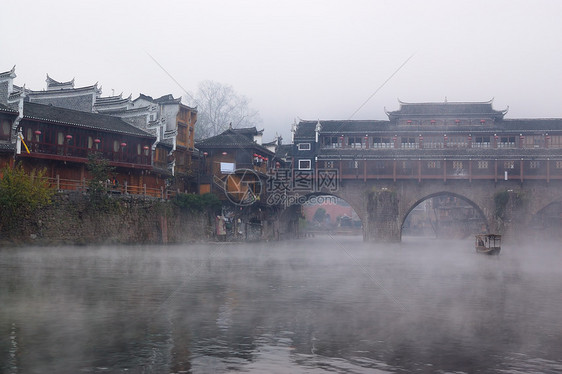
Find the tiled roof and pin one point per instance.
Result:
(167, 99)
(481, 109)
(248, 131)
(545, 124)
(230, 139)
(7, 146)
(9, 73)
(51, 83)
(284, 150)
(97, 121)
(6, 109)
(306, 129)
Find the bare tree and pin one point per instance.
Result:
(218, 106)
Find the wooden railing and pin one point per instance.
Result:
(60, 184)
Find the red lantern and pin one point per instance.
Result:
(266, 159)
(68, 137)
(123, 144)
(37, 132)
(145, 148)
(457, 121)
(97, 141)
(482, 121)
(409, 122)
(432, 121)
(255, 155)
(224, 153)
(205, 154)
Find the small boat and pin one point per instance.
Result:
(489, 244)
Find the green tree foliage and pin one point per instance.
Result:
(100, 171)
(197, 203)
(21, 193)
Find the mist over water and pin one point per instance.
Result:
(325, 304)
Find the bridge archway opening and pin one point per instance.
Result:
(444, 215)
(546, 223)
(319, 214)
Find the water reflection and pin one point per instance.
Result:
(315, 306)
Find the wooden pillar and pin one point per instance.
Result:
(364, 170)
(341, 174)
(495, 170)
(394, 171)
(419, 170)
(470, 170)
(444, 170)
(547, 170)
(521, 170)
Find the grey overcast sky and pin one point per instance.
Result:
(306, 59)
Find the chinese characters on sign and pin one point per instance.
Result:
(286, 185)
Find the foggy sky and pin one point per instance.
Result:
(297, 59)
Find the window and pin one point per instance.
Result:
(379, 142)
(555, 141)
(303, 146)
(506, 142)
(482, 164)
(304, 165)
(115, 146)
(457, 164)
(408, 143)
(481, 142)
(535, 164)
(457, 142)
(329, 164)
(558, 164)
(331, 142)
(434, 164)
(353, 164)
(5, 127)
(182, 134)
(354, 142)
(509, 164)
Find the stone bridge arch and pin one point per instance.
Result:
(292, 202)
(383, 205)
(404, 215)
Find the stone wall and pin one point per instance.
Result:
(75, 219)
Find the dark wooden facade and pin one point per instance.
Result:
(434, 141)
(60, 140)
(235, 147)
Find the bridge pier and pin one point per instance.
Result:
(383, 219)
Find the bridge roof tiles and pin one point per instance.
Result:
(306, 129)
(449, 109)
(545, 124)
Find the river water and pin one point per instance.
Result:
(318, 305)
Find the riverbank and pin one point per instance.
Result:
(76, 219)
